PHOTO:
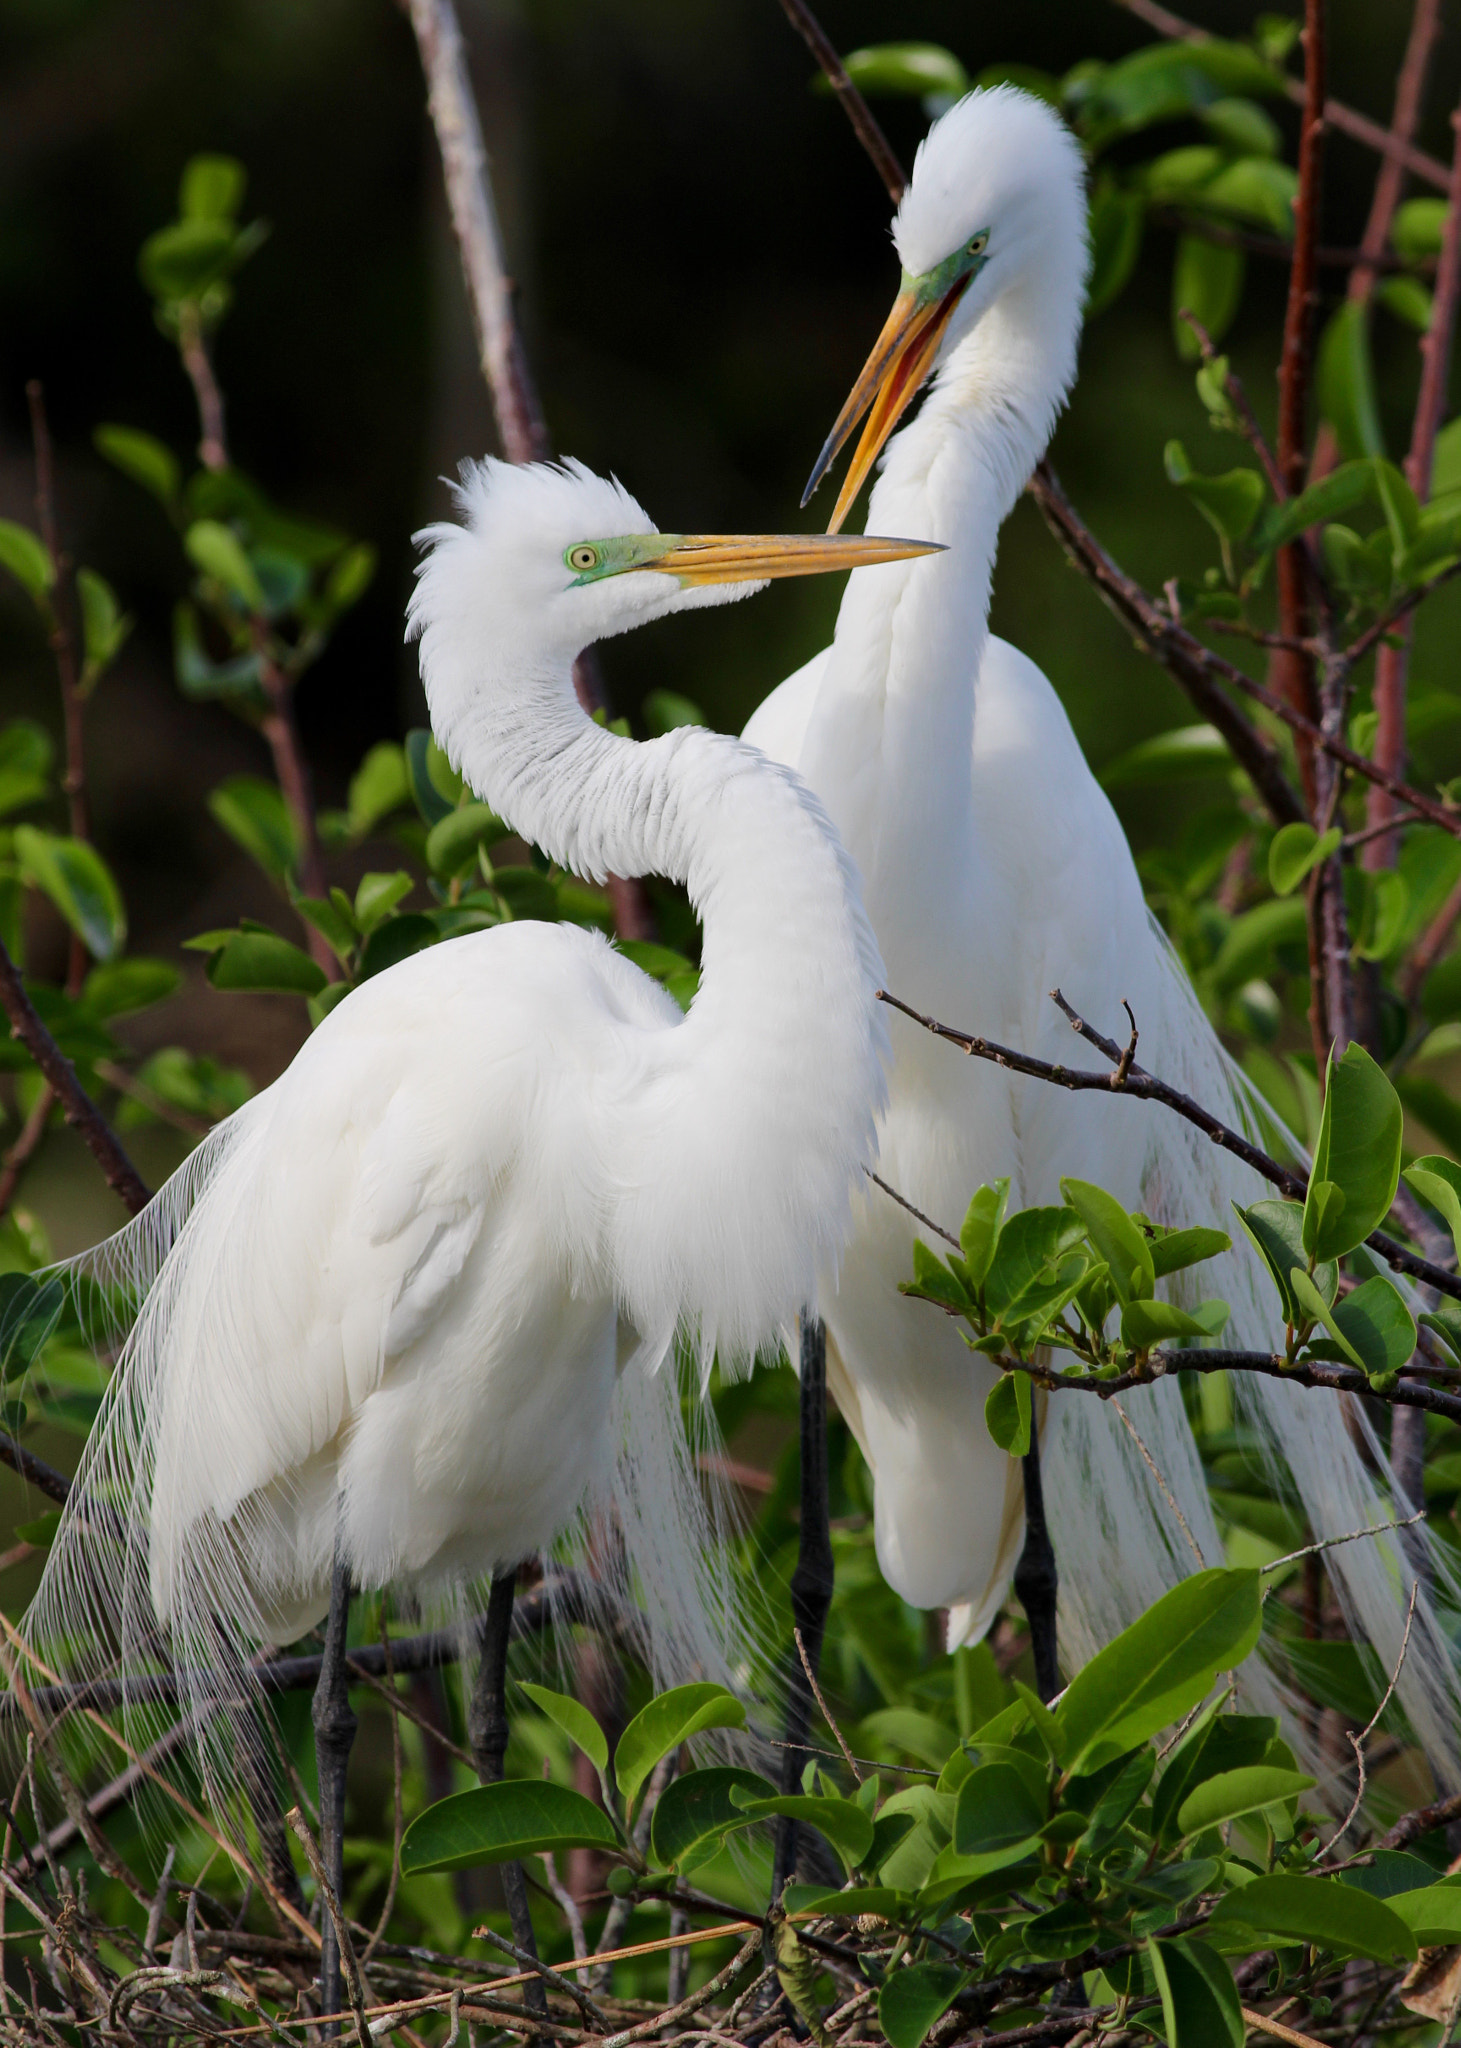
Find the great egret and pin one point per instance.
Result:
(387, 1302)
(994, 868)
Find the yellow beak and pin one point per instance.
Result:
(753, 557)
(891, 378)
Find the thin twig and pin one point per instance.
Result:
(20, 1154)
(1333, 1542)
(904, 1203)
(354, 1988)
(1279, 2031)
(1338, 1379)
(77, 1106)
(1346, 120)
(1145, 1087)
(1237, 397)
(389, 1689)
(721, 1981)
(593, 2014)
(1357, 1742)
(1167, 1494)
(848, 1758)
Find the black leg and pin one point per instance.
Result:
(487, 1733)
(1035, 1580)
(334, 1736)
(811, 1584)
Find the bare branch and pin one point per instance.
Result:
(864, 124)
(33, 1470)
(841, 1740)
(77, 1106)
(1345, 120)
(904, 1203)
(1145, 1087)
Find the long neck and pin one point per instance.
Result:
(896, 708)
(735, 1150)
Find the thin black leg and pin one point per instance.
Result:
(811, 1583)
(334, 1737)
(487, 1734)
(1035, 1580)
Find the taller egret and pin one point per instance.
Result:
(994, 868)
(388, 1301)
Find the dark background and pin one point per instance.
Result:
(703, 261)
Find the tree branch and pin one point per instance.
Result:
(1393, 660)
(79, 1109)
(859, 113)
(1344, 120)
(1186, 660)
(1144, 1087)
(35, 1471)
(1338, 1379)
(514, 395)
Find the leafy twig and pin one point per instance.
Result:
(77, 1106)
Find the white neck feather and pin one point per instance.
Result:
(739, 1140)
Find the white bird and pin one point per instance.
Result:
(994, 869)
(388, 1302)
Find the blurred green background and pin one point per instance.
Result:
(702, 256)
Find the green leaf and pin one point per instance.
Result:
(1117, 218)
(1007, 1410)
(143, 458)
(996, 1810)
(104, 626)
(1344, 488)
(1117, 1239)
(695, 1812)
(1229, 503)
(1409, 300)
(1065, 1930)
(255, 816)
(29, 1311)
(979, 1232)
(212, 188)
(1321, 1910)
(79, 883)
(1186, 750)
(1372, 1326)
(396, 939)
(1437, 1180)
(1346, 384)
(379, 786)
(664, 1724)
(335, 927)
(1200, 2004)
(452, 844)
(1432, 1913)
(1418, 227)
(577, 1723)
(1207, 281)
(1028, 1258)
(1231, 1793)
(217, 550)
(25, 759)
(1253, 938)
(502, 1823)
(435, 784)
(913, 1998)
(1161, 1666)
(1255, 188)
(1275, 1230)
(933, 1281)
(912, 69)
(254, 959)
(1174, 1250)
(1144, 1323)
(350, 578)
(377, 896)
(200, 677)
(42, 1531)
(1294, 850)
(122, 986)
(1242, 126)
(666, 710)
(1399, 504)
(842, 1821)
(27, 558)
(183, 259)
(1358, 1149)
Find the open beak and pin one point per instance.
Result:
(891, 377)
(753, 557)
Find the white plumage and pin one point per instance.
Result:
(421, 1290)
(995, 870)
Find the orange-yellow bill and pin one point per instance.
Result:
(753, 557)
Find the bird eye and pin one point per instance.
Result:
(980, 243)
(583, 557)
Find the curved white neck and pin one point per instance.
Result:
(898, 689)
(737, 1138)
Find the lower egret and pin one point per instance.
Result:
(385, 1306)
(995, 869)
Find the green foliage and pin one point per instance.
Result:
(501, 1823)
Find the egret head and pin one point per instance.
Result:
(996, 202)
(550, 559)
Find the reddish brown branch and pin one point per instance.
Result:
(515, 402)
(77, 1106)
(1141, 1086)
(864, 123)
(1425, 27)
(1344, 120)
(193, 348)
(1186, 660)
(1393, 661)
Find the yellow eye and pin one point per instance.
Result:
(583, 557)
(980, 243)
